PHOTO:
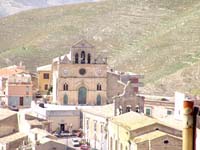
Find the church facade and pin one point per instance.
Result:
(80, 77)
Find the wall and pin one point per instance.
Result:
(119, 135)
(74, 80)
(9, 125)
(16, 143)
(50, 146)
(71, 117)
(42, 81)
(96, 138)
(14, 101)
(159, 108)
(113, 86)
(158, 144)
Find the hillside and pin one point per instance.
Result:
(155, 37)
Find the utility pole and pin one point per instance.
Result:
(188, 125)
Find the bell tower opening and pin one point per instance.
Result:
(76, 58)
(89, 58)
(82, 57)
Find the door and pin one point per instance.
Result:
(62, 127)
(21, 101)
(65, 101)
(82, 94)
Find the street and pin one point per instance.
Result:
(68, 141)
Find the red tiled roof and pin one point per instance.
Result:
(8, 71)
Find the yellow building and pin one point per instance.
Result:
(138, 132)
(44, 78)
(95, 121)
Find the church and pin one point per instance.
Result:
(80, 77)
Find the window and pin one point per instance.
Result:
(87, 124)
(98, 87)
(46, 75)
(120, 110)
(76, 58)
(101, 128)
(95, 125)
(89, 58)
(65, 87)
(166, 142)
(82, 71)
(169, 112)
(148, 111)
(82, 57)
(128, 108)
(46, 87)
(27, 90)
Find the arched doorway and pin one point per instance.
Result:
(65, 99)
(98, 100)
(82, 94)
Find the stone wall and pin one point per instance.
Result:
(161, 143)
(9, 125)
(113, 86)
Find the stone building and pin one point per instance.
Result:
(64, 118)
(80, 77)
(135, 131)
(10, 137)
(128, 101)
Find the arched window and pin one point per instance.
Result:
(76, 58)
(89, 58)
(65, 99)
(65, 87)
(98, 100)
(98, 87)
(82, 57)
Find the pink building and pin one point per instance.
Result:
(18, 90)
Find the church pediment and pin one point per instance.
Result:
(82, 44)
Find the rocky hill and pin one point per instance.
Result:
(158, 38)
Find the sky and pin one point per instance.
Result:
(9, 7)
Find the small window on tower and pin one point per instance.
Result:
(82, 57)
(89, 58)
(76, 58)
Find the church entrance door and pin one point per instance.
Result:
(82, 93)
(65, 102)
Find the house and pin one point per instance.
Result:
(18, 90)
(10, 136)
(44, 78)
(136, 131)
(95, 122)
(158, 106)
(60, 117)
